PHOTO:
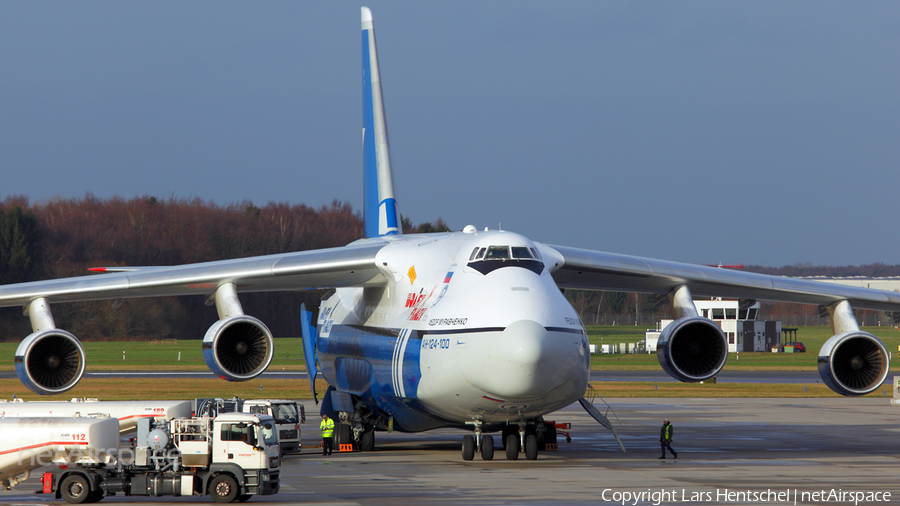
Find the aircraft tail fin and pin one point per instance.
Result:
(379, 206)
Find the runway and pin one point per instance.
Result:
(655, 375)
(729, 449)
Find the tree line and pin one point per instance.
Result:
(64, 237)
(618, 308)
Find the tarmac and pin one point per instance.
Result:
(730, 451)
(657, 375)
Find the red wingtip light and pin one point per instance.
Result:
(97, 269)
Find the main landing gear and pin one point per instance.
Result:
(527, 437)
(355, 430)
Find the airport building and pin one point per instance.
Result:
(742, 330)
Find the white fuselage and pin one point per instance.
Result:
(496, 339)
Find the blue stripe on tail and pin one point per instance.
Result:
(370, 161)
(379, 206)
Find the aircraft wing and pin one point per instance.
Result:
(352, 265)
(597, 270)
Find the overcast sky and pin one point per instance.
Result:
(736, 132)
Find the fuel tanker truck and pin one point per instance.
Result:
(29, 443)
(128, 412)
(230, 457)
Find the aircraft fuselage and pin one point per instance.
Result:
(470, 327)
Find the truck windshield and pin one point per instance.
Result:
(285, 413)
(269, 435)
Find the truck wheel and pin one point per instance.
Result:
(244, 497)
(75, 489)
(223, 488)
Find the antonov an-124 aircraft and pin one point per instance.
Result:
(466, 329)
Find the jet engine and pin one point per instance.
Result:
(853, 363)
(50, 361)
(692, 349)
(238, 348)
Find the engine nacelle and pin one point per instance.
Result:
(853, 363)
(692, 349)
(50, 361)
(238, 348)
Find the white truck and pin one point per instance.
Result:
(230, 457)
(32, 442)
(128, 412)
(287, 415)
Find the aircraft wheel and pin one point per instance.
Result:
(505, 434)
(75, 489)
(512, 447)
(367, 439)
(487, 448)
(531, 447)
(468, 447)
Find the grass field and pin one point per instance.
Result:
(812, 337)
(164, 356)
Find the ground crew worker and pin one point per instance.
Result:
(665, 438)
(327, 428)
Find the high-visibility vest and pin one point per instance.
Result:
(668, 432)
(327, 427)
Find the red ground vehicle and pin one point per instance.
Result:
(799, 347)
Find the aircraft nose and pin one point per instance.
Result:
(524, 360)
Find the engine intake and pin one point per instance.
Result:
(238, 348)
(692, 349)
(50, 361)
(853, 363)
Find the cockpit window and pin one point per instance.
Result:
(524, 257)
(497, 253)
(474, 252)
(520, 252)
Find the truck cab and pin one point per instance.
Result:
(287, 416)
(248, 443)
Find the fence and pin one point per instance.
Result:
(650, 319)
